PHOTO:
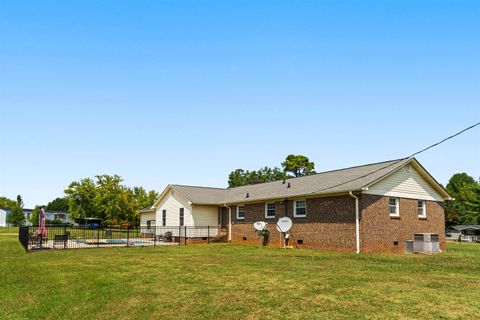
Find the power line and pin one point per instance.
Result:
(402, 159)
(448, 138)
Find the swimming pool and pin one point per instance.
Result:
(116, 241)
(136, 242)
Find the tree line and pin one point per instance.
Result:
(293, 166)
(104, 197)
(107, 198)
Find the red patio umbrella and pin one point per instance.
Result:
(42, 229)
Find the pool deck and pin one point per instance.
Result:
(98, 243)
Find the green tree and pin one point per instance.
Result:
(7, 203)
(35, 215)
(143, 198)
(16, 216)
(465, 209)
(81, 199)
(58, 204)
(298, 165)
(237, 178)
(19, 201)
(242, 177)
(108, 199)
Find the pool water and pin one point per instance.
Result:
(138, 242)
(116, 241)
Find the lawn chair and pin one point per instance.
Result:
(36, 241)
(60, 239)
(33, 239)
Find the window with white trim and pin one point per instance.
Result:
(422, 209)
(240, 212)
(270, 210)
(394, 205)
(300, 208)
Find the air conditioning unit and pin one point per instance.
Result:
(426, 242)
(408, 245)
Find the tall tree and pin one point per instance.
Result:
(81, 198)
(35, 215)
(298, 165)
(237, 178)
(143, 198)
(16, 216)
(465, 209)
(108, 199)
(19, 201)
(58, 204)
(7, 203)
(242, 177)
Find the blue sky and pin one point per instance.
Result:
(186, 91)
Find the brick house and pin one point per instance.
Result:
(368, 208)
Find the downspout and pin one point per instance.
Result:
(229, 223)
(357, 221)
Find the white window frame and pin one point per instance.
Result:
(295, 207)
(424, 207)
(397, 207)
(274, 210)
(238, 210)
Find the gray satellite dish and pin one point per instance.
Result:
(259, 225)
(284, 224)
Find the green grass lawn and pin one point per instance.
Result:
(9, 230)
(230, 281)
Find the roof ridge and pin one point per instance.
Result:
(190, 186)
(323, 172)
(362, 165)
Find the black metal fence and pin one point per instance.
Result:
(68, 237)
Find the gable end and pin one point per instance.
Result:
(406, 182)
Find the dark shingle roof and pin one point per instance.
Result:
(330, 182)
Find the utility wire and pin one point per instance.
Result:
(448, 138)
(402, 159)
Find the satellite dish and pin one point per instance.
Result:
(259, 225)
(284, 224)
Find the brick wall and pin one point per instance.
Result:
(379, 231)
(329, 224)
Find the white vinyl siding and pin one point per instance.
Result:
(3, 218)
(405, 184)
(172, 204)
(394, 207)
(204, 215)
(300, 208)
(270, 210)
(240, 212)
(422, 209)
(145, 217)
